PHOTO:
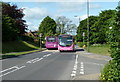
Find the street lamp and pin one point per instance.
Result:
(83, 37)
(110, 36)
(88, 25)
(40, 39)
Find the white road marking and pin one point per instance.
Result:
(8, 72)
(16, 68)
(48, 54)
(32, 60)
(81, 68)
(81, 72)
(9, 69)
(22, 67)
(37, 60)
(73, 75)
(74, 72)
(45, 56)
(93, 63)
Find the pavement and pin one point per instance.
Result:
(54, 65)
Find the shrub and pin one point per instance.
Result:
(112, 70)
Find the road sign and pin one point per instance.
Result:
(83, 33)
(40, 35)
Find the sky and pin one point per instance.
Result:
(36, 11)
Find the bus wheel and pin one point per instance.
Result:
(60, 51)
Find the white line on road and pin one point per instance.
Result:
(45, 56)
(48, 54)
(22, 67)
(32, 60)
(81, 72)
(94, 63)
(81, 68)
(16, 68)
(74, 72)
(73, 75)
(37, 60)
(9, 69)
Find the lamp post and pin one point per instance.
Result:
(40, 39)
(110, 36)
(83, 38)
(88, 25)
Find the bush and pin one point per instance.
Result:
(111, 71)
(81, 44)
(26, 38)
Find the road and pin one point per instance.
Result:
(54, 65)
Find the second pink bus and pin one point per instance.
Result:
(66, 43)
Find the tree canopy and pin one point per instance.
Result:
(47, 27)
(99, 27)
(15, 13)
(64, 25)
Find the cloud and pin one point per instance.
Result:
(70, 6)
(34, 16)
(75, 6)
(60, 0)
(34, 13)
(94, 6)
(83, 17)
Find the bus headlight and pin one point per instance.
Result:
(54, 45)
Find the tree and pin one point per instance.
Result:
(9, 31)
(64, 25)
(111, 71)
(83, 28)
(99, 27)
(15, 13)
(47, 27)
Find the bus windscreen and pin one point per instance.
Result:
(51, 39)
(65, 40)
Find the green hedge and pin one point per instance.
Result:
(111, 71)
(81, 44)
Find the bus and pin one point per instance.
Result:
(66, 43)
(51, 42)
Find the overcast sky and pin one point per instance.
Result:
(36, 11)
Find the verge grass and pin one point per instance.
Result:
(102, 49)
(17, 46)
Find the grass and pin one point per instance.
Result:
(100, 49)
(10, 55)
(17, 46)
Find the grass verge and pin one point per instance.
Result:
(102, 49)
(17, 46)
(10, 55)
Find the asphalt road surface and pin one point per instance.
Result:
(54, 65)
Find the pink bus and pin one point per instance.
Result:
(51, 42)
(65, 43)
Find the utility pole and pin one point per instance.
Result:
(88, 25)
(40, 40)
